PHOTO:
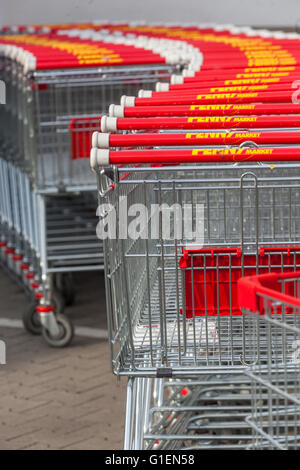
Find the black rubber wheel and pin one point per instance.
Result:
(31, 319)
(64, 283)
(65, 335)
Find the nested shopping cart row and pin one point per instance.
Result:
(41, 103)
(55, 79)
(217, 151)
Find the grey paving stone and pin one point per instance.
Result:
(59, 399)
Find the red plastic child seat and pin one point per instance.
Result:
(211, 275)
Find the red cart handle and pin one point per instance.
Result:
(112, 124)
(252, 288)
(106, 157)
(212, 98)
(203, 110)
(234, 137)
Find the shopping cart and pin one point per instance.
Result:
(176, 302)
(227, 153)
(273, 301)
(205, 413)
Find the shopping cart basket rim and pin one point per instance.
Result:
(263, 285)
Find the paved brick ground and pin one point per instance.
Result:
(59, 399)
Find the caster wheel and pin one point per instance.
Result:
(64, 283)
(65, 335)
(31, 319)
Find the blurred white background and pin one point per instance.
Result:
(254, 12)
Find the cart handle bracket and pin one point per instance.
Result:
(163, 372)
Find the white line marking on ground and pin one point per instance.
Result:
(89, 332)
(85, 331)
(9, 323)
